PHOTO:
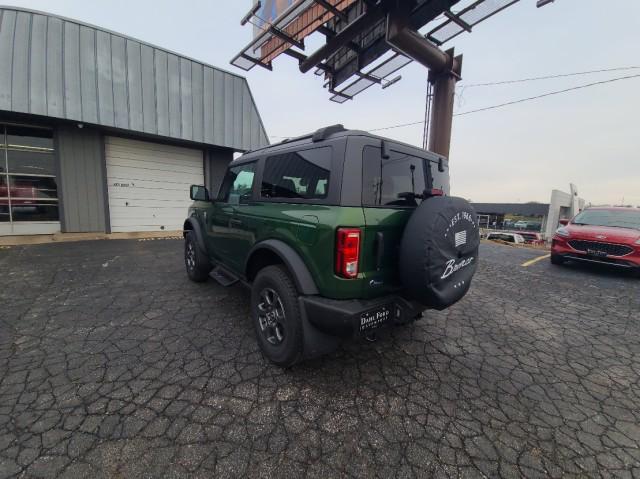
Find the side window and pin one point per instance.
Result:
(238, 184)
(394, 181)
(297, 175)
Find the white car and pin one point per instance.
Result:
(521, 225)
(514, 238)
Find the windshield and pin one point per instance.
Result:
(611, 218)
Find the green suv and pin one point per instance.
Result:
(337, 233)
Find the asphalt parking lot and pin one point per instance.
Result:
(113, 364)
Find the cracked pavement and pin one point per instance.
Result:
(113, 364)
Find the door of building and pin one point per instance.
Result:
(148, 184)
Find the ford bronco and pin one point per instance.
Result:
(337, 233)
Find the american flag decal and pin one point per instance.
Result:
(461, 238)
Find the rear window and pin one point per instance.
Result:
(297, 175)
(394, 181)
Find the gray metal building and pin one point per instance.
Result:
(100, 132)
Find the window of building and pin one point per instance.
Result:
(28, 186)
(297, 175)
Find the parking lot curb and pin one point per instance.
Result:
(7, 241)
(513, 245)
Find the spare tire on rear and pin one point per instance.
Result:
(439, 251)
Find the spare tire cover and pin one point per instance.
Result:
(439, 251)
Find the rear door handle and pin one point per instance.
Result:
(235, 222)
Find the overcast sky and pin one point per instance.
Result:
(590, 137)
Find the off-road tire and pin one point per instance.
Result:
(290, 350)
(196, 262)
(557, 259)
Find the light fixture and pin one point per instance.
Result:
(542, 3)
(393, 81)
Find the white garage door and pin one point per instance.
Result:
(149, 184)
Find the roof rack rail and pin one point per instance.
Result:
(296, 138)
(326, 132)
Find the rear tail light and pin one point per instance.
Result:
(347, 252)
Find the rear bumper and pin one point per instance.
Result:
(356, 317)
(561, 248)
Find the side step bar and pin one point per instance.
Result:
(223, 276)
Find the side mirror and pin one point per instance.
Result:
(564, 222)
(199, 193)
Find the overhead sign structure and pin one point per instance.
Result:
(281, 26)
(368, 41)
(352, 73)
(286, 26)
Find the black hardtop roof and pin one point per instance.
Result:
(330, 132)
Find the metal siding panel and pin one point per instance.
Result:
(81, 160)
(162, 92)
(175, 120)
(55, 86)
(64, 184)
(76, 179)
(20, 70)
(247, 112)
(218, 107)
(197, 83)
(217, 161)
(256, 128)
(99, 184)
(82, 180)
(72, 93)
(186, 98)
(63, 69)
(88, 74)
(148, 89)
(207, 100)
(93, 180)
(229, 112)
(105, 82)
(238, 91)
(68, 178)
(119, 75)
(134, 84)
(38, 66)
(6, 58)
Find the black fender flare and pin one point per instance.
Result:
(192, 224)
(292, 260)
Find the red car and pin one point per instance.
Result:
(600, 235)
